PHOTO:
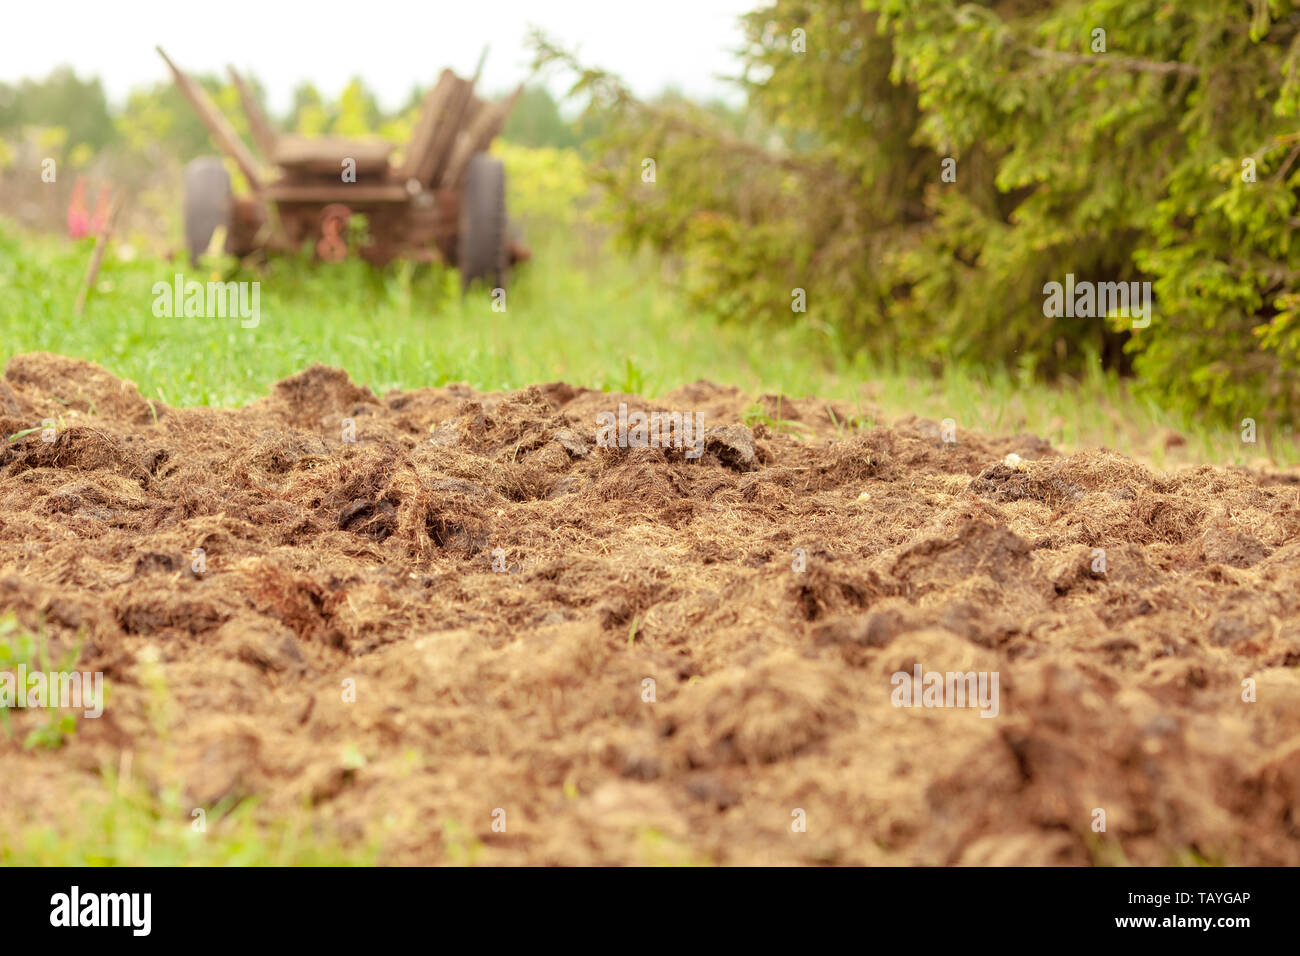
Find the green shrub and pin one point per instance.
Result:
(1101, 138)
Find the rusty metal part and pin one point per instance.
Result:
(333, 245)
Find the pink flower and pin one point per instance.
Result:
(101, 210)
(78, 213)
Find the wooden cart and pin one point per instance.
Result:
(444, 200)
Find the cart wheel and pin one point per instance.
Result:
(207, 203)
(481, 244)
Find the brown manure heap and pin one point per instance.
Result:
(640, 657)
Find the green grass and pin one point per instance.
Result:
(20, 648)
(614, 327)
(588, 317)
(128, 827)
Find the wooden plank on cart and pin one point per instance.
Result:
(283, 192)
(435, 103)
(264, 134)
(434, 162)
(487, 125)
(326, 154)
(227, 139)
(475, 107)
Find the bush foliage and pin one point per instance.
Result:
(1118, 140)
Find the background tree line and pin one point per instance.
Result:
(82, 110)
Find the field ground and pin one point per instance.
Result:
(472, 614)
(479, 690)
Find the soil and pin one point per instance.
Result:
(614, 652)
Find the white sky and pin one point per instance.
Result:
(392, 44)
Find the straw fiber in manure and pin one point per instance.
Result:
(429, 612)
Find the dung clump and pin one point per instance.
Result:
(626, 641)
